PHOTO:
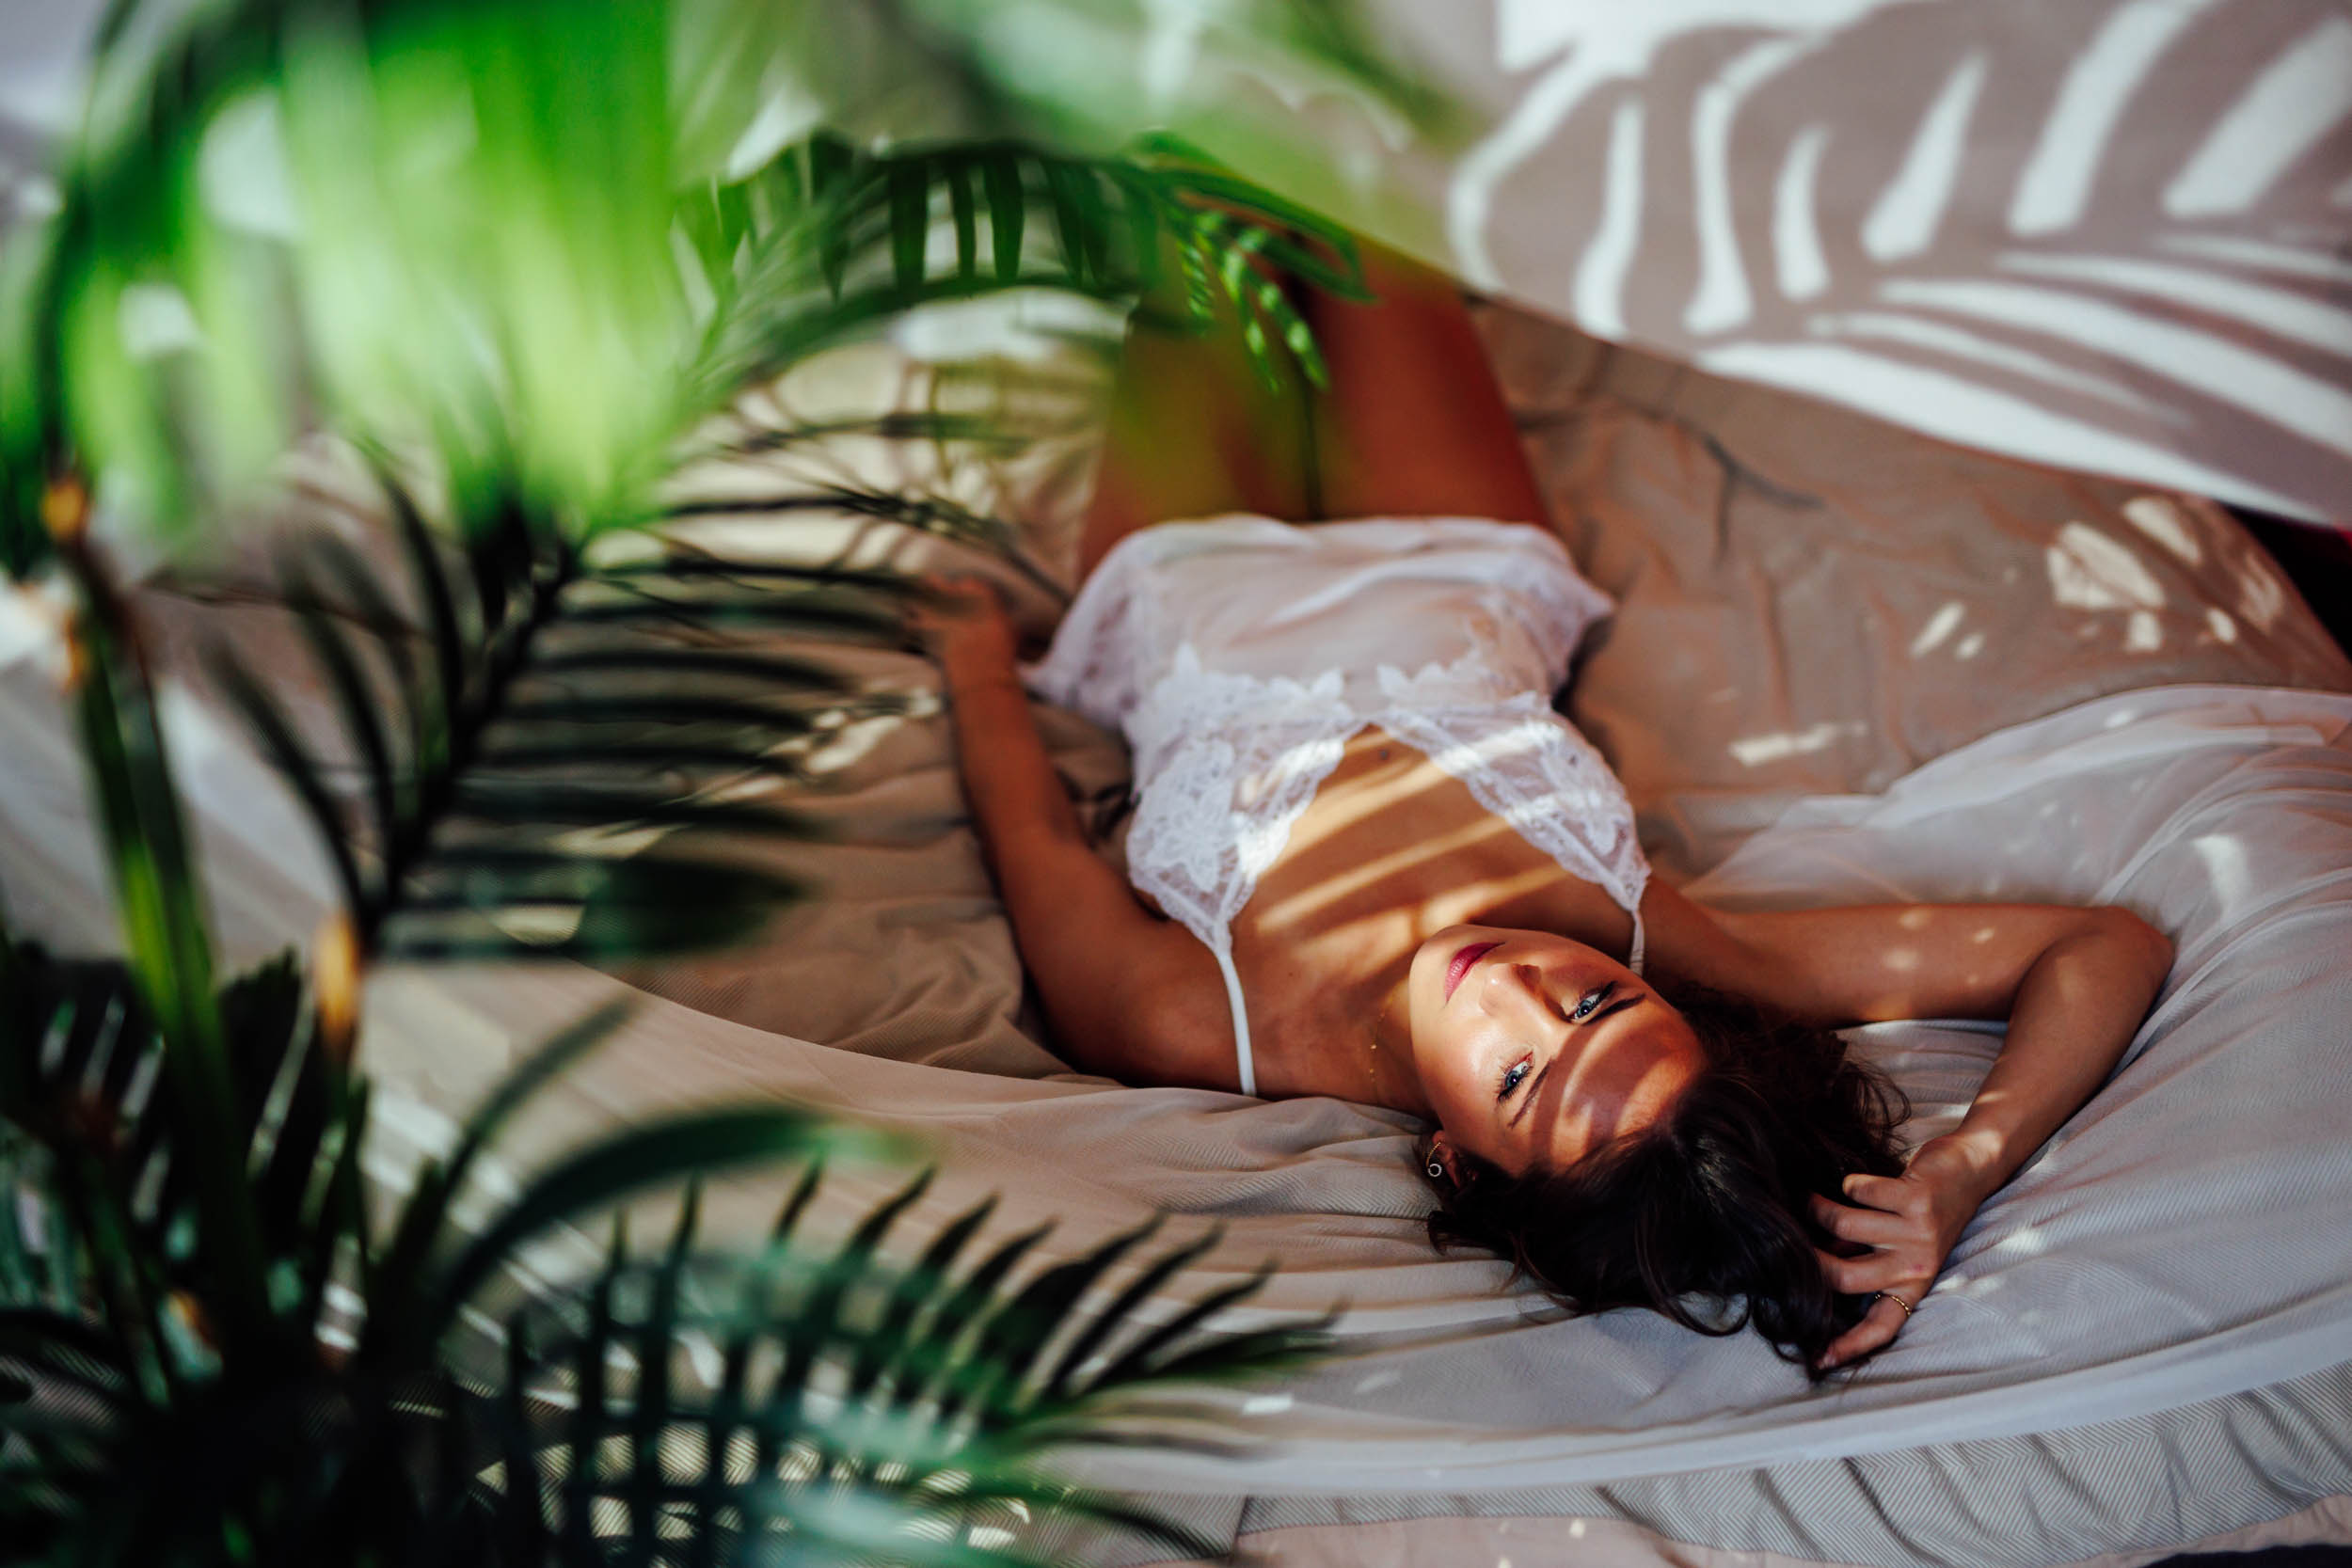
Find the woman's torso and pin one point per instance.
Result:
(1343, 743)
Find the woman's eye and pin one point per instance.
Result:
(1590, 1002)
(1512, 1077)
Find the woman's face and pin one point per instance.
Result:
(1535, 1049)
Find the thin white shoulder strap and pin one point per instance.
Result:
(1633, 954)
(1241, 1021)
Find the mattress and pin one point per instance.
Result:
(1838, 653)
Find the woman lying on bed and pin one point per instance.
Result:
(1368, 860)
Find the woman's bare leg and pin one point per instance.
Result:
(1194, 433)
(1414, 424)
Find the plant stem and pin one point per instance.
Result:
(160, 908)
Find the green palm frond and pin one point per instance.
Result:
(877, 1398)
(127, 1261)
(498, 250)
(130, 1424)
(937, 516)
(28, 447)
(844, 1405)
(489, 231)
(526, 695)
(168, 941)
(889, 231)
(936, 427)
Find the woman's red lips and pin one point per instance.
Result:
(1462, 962)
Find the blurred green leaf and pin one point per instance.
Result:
(705, 1143)
(521, 250)
(912, 1390)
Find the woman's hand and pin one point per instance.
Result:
(966, 628)
(1910, 1224)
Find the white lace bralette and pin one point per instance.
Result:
(1238, 655)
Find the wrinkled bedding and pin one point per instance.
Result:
(1846, 663)
(2180, 1240)
(1808, 603)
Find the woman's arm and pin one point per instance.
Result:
(1122, 989)
(2074, 983)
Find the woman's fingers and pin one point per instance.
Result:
(961, 586)
(1898, 1217)
(965, 625)
(1909, 1229)
(1869, 1227)
(948, 602)
(1876, 1330)
(944, 590)
(1891, 1193)
(1876, 1271)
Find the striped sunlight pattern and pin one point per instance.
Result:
(2104, 234)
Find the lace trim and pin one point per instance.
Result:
(1570, 805)
(1234, 761)
(1470, 681)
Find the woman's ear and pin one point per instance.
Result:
(1444, 1161)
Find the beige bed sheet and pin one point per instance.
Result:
(1795, 556)
(1809, 603)
(1591, 1542)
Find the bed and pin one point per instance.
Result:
(1848, 662)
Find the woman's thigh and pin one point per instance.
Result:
(1195, 432)
(1414, 423)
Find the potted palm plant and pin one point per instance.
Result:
(514, 255)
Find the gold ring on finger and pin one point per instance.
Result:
(1889, 1296)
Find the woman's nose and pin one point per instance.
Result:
(1514, 990)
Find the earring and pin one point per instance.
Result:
(1437, 1171)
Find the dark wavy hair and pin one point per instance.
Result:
(1709, 1202)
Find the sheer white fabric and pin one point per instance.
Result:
(1239, 654)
